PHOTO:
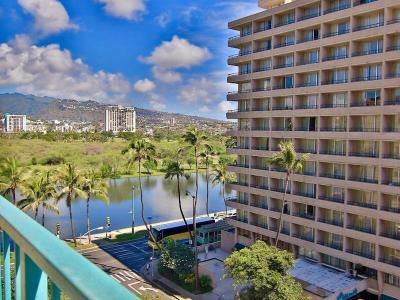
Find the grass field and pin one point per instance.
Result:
(33, 153)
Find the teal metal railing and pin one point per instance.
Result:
(42, 259)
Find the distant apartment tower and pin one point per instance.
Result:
(325, 75)
(14, 123)
(120, 119)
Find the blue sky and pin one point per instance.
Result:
(165, 55)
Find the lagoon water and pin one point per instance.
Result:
(160, 198)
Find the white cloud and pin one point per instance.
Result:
(166, 76)
(172, 55)
(144, 85)
(157, 105)
(50, 15)
(163, 19)
(202, 90)
(224, 106)
(204, 108)
(48, 70)
(177, 53)
(125, 9)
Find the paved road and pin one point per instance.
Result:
(123, 262)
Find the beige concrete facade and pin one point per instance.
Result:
(324, 74)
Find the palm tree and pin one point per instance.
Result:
(34, 196)
(222, 177)
(141, 150)
(287, 159)
(94, 186)
(50, 193)
(207, 158)
(174, 169)
(10, 177)
(70, 183)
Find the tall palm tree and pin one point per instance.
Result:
(174, 169)
(34, 195)
(141, 150)
(206, 155)
(94, 186)
(10, 177)
(221, 176)
(70, 183)
(288, 159)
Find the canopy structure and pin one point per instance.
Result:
(211, 233)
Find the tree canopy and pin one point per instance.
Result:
(262, 271)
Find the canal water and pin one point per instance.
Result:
(160, 198)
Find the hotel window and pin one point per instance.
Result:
(245, 69)
(312, 254)
(338, 146)
(288, 102)
(342, 28)
(312, 100)
(340, 75)
(339, 123)
(312, 79)
(396, 176)
(246, 30)
(288, 39)
(312, 35)
(372, 97)
(372, 47)
(267, 84)
(369, 147)
(337, 192)
(368, 197)
(372, 72)
(368, 172)
(245, 87)
(370, 123)
(372, 20)
(339, 99)
(288, 81)
(289, 60)
(265, 25)
(246, 49)
(313, 56)
(265, 64)
(341, 51)
(244, 105)
(338, 170)
(392, 279)
(244, 124)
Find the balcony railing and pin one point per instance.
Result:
(335, 81)
(368, 26)
(363, 179)
(282, 86)
(309, 16)
(363, 204)
(391, 235)
(307, 84)
(306, 150)
(334, 176)
(392, 129)
(333, 129)
(337, 8)
(284, 22)
(365, 254)
(335, 57)
(365, 229)
(305, 237)
(308, 39)
(393, 75)
(393, 21)
(260, 205)
(332, 152)
(335, 222)
(332, 198)
(307, 106)
(242, 53)
(259, 186)
(391, 209)
(335, 33)
(364, 154)
(261, 49)
(360, 2)
(304, 215)
(391, 182)
(262, 69)
(390, 261)
(391, 156)
(364, 102)
(333, 105)
(364, 129)
(305, 194)
(307, 62)
(262, 28)
(40, 256)
(261, 225)
(260, 128)
(367, 52)
(284, 44)
(332, 245)
(281, 66)
(282, 107)
(393, 48)
(262, 89)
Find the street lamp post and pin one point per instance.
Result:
(194, 199)
(133, 209)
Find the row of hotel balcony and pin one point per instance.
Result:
(370, 97)
(355, 148)
(363, 21)
(352, 172)
(350, 196)
(315, 55)
(352, 245)
(367, 123)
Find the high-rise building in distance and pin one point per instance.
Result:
(14, 123)
(325, 75)
(120, 119)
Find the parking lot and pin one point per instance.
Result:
(123, 261)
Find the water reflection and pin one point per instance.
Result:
(160, 197)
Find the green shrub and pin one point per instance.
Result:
(53, 160)
(34, 161)
(205, 281)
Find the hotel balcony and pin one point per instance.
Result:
(364, 149)
(390, 203)
(390, 256)
(330, 216)
(41, 258)
(303, 233)
(361, 223)
(335, 6)
(366, 174)
(361, 248)
(259, 201)
(303, 211)
(334, 100)
(330, 240)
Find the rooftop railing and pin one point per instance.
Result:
(40, 257)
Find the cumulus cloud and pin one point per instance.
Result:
(175, 54)
(50, 15)
(49, 70)
(144, 85)
(202, 90)
(224, 106)
(156, 102)
(125, 9)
